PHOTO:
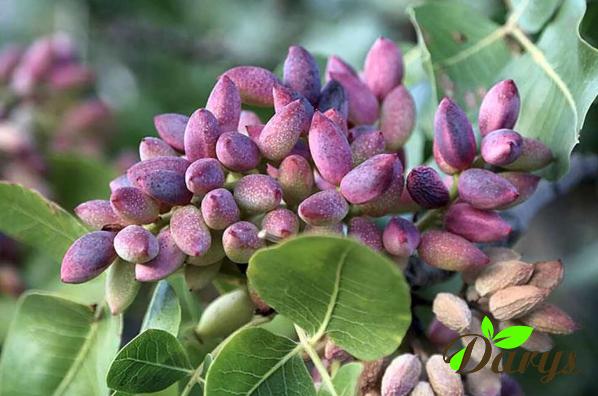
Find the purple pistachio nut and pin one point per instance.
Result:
(257, 193)
(359, 130)
(224, 103)
(323, 208)
(204, 175)
(453, 135)
(201, 135)
(365, 230)
(336, 65)
(486, 190)
(70, 77)
(390, 200)
(284, 95)
(254, 131)
(33, 67)
(133, 206)
(167, 187)
(295, 178)
(426, 188)
(329, 148)
(119, 182)
(369, 180)
(401, 375)
(240, 240)
(333, 96)
(98, 214)
(397, 117)
(280, 224)
(9, 59)
(501, 147)
(189, 231)
(142, 169)
(254, 83)
(237, 152)
(400, 237)
(499, 108)
(246, 118)
(171, 128)
(301, 148)
(320, 183)
(383, 67)
(282, 132)
(476, 225)
(535, 155)
(219, 209)
(301, 72)
(151, 147)
(363, 105)
(442, 164)
(439, 334)
(135, 244)
(367, 145)
(524, 182)
(335, 116)
(450, 252)
(88, 257)
(169, 259)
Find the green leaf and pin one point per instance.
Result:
(164, 311)
(534, 13)
(512, 337)
(345, 380)
(30, 218)
(152, 361)
(255, 361)
(487, 328)
(56, 346)
(468, 58)
(336, 286)
(457, 359)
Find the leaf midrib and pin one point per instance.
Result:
(156, 364)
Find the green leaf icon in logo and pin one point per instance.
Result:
(487, 328)
(512, 337)
(457, 359)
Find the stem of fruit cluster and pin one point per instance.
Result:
(307, 346)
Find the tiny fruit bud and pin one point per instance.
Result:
(383, 67)
(257, 193)
(189, 231)
(240, 240)
(88, 257)
(397, 117)
(426, 188)
(201, 134)
(401, 237)
(452, 311)
(224, 103)
(169, 259)
(515, 301)
(369, 180)
(254, 83)
(476, 225)
(486, 190)
(501, 147)
(450, 252)
(323, 208)
(135, 244)
(499, 108)
(301, 73)
(401, 375)
(171, 128)
(237, 152)
(219, 209)
(204, 175)
(453, 135)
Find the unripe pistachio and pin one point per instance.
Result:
(484, 382)
(499, 108)
(323, 208)
(257, 193)
(201, 134)
(524, 182)
(486, 190)
(151, 147)
(534, 155)
(88, 257)
(439, 334)
(335, 116)
(169, 259)
(204, 175)
(401, 375)
(547, 274)
(363, 105)
(365, 230)
(135, 244)
(515, 301)
(335, 64)
(121, 286)
(476, 225)
(198, 277)
(501, 147)
(401, 237)
(450, 252)
(383, 67)
(133, 206)
(246, 118)
(397, 117)
(301, 72)
(282, 132)
(254, 83)
(453, 135)
(214, 254)
(237, 152)
(219, 209)
(296, 178)
(369, 180)
(167, 187)
(426, 188)
(423, 388)
(367, 145)
(280, 224)
(171, 128)
(225, 314)
(240, 240)
(333, 96)
(189, 231)
(550, 319)
(329, 148)
(142, 169)
(390, 200)
(443, 379)
(224, 103)
(98, 214)
(502, 274)
(452, 311)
